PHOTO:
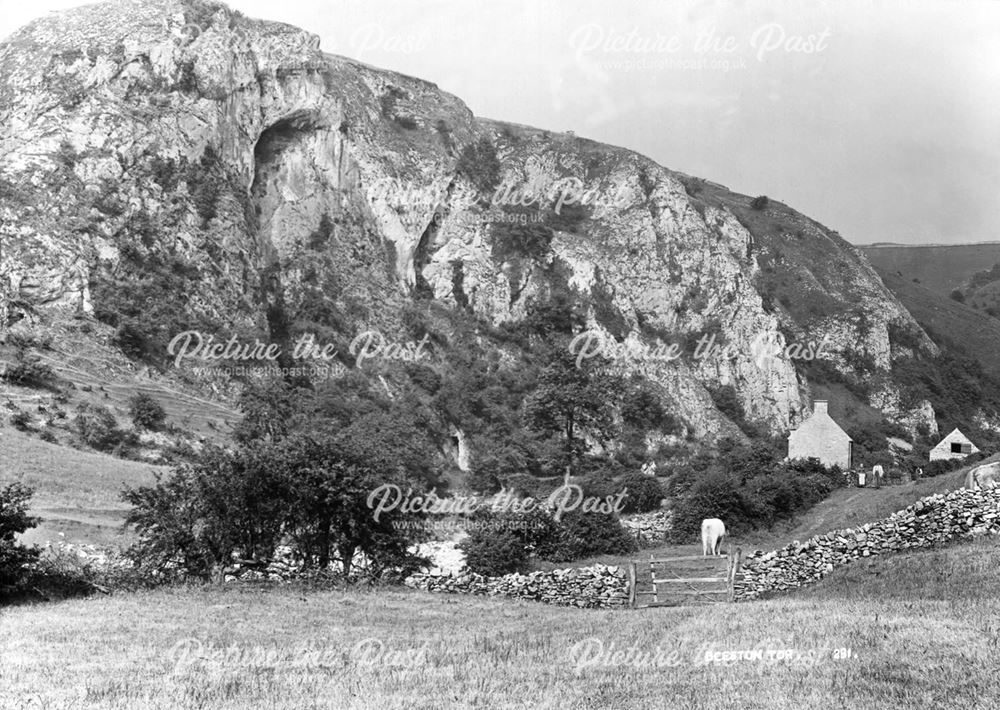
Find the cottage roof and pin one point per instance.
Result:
(956, 437)
(820, 422)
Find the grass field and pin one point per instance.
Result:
(922, 630)
(902, 631)
(77, 492)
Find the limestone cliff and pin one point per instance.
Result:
(283, 183)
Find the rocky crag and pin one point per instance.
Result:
(231, 176)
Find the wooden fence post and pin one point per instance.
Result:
(734, 563)
(631, 584)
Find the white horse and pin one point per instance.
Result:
(984, 477)
(713, 531)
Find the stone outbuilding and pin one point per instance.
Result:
(954, 446)
(820, 437)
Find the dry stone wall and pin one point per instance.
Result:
(928, 522)
(599, 586)
(649, 529)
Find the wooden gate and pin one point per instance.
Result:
(678, 581)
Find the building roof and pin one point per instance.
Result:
(957, 436)
(820, 422)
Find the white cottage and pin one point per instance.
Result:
(954, 446)
(820, 437)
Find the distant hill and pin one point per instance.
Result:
(970, 330)
(940, 268)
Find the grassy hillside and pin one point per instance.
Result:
(76, 491)
(957, 573)
(90, 371)
(939, 268)
(973, 331)
(244, 648)
(808, 272)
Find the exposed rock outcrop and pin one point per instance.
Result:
(154, 129)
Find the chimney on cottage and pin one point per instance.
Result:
(819, 406)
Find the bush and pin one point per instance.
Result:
(320, 237)
(66, 155)
(444, 130)
(760, 203)
(781, 495)
(644, 492)
(752, 495)
(407, 122)
(716, 495)
(585, 534)
(204, 179)
(727, 401)
(60, 573)
(495, 554)
(14, 520)
(598, 483)
(98, 427)
(20, 420)
(29, 372)
(936, 468)
(515, 240)
(479, 163)
(501, 542)
(388, 101)
(147, 300)
(146, 412)
(312, 493)
(206, 198)
(187, 80)
(642, 409)
(870, 446)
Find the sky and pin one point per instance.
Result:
(878, 118)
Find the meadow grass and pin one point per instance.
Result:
(77, 493)
(923, 631)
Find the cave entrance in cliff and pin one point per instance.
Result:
(274, 139)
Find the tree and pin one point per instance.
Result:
(320, 237)
(146, 412)
(500, 542)
(14, 520)
(98, 427)
(571, 401)
(479, 163)
(29, 371)
(644, 493)
(584, 534)
(270, 409)
(494, 553)
(312, 493)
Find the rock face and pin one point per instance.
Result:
(136, 131)
(928, 522)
